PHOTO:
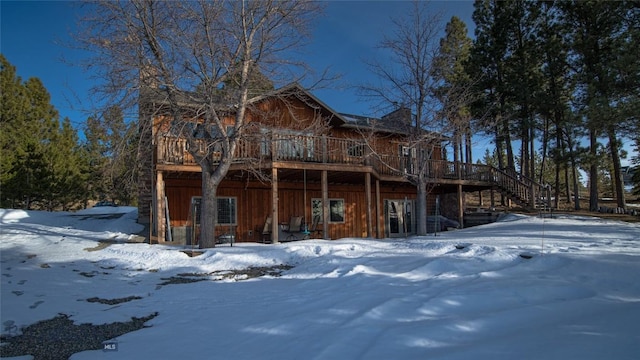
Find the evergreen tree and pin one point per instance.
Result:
(40, 162)
(602, 34)
(553, 102)
(488, 64)
(449, 67)
(67, 173)
(12, 117)
(121, 145)
(635, 179)
(110, 155)
(95, 159)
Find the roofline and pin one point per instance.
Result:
(297, 88)
(383, 129)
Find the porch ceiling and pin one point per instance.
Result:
(333, 177)
(284, 175)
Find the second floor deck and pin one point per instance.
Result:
(296, 149)
(349, 155)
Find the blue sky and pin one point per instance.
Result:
(33, 34)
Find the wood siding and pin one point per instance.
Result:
(254, 204)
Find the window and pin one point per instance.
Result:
(336, 210)
(226, 211)
(316, 208)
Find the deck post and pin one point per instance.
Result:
(274, 206)
(325, 205)
(160, 208)
(493, 200)
(378, 210)
(367, 189)
(460, 206)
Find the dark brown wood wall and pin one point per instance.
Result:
(254, 204)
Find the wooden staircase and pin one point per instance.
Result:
(522, 190)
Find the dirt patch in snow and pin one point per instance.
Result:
(59, 337)
(238, 275)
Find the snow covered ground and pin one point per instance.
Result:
(578, 297)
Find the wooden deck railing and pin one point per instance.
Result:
(320, 149)
(329, 150)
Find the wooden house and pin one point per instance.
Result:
(337, 175)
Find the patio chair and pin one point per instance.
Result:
(315, 227)
(266, 230)
(295, 225)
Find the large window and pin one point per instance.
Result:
(226, 210)
(336, 210)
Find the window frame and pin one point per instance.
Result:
(317, 209)
(233, 213)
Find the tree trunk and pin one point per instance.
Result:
(525, 157)
(501, 164)
(456, 145)
(532, 154)
(567, 184)
(593, 171)
(421, 207)
(507, 143)
(556, 194)
(574, 171)
(468, 153)
(618, 184)
(567, 166)
(209, 211)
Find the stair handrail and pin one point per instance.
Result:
(524, 189)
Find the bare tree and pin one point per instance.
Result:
(408, 80)
(199, 60)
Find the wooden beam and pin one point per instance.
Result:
(367, 189)
(179, 168)
(493, 201)
(160, 207)
(274, 206)
(378, 210)
(325, 206)
(296, 165)
(460, 206)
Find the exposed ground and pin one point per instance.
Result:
(59, 338)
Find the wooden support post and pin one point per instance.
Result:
(493, 200)
(274, 206)
(378, 211)
(460, 206)
(367, 189)
(325, 205)
(160, 207)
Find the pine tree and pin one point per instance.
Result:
(602, 35)
(68, 177)
(12, 117)
(95, 159)
(110, 151)
(488, 64)
(39, 163)
(449, 67)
